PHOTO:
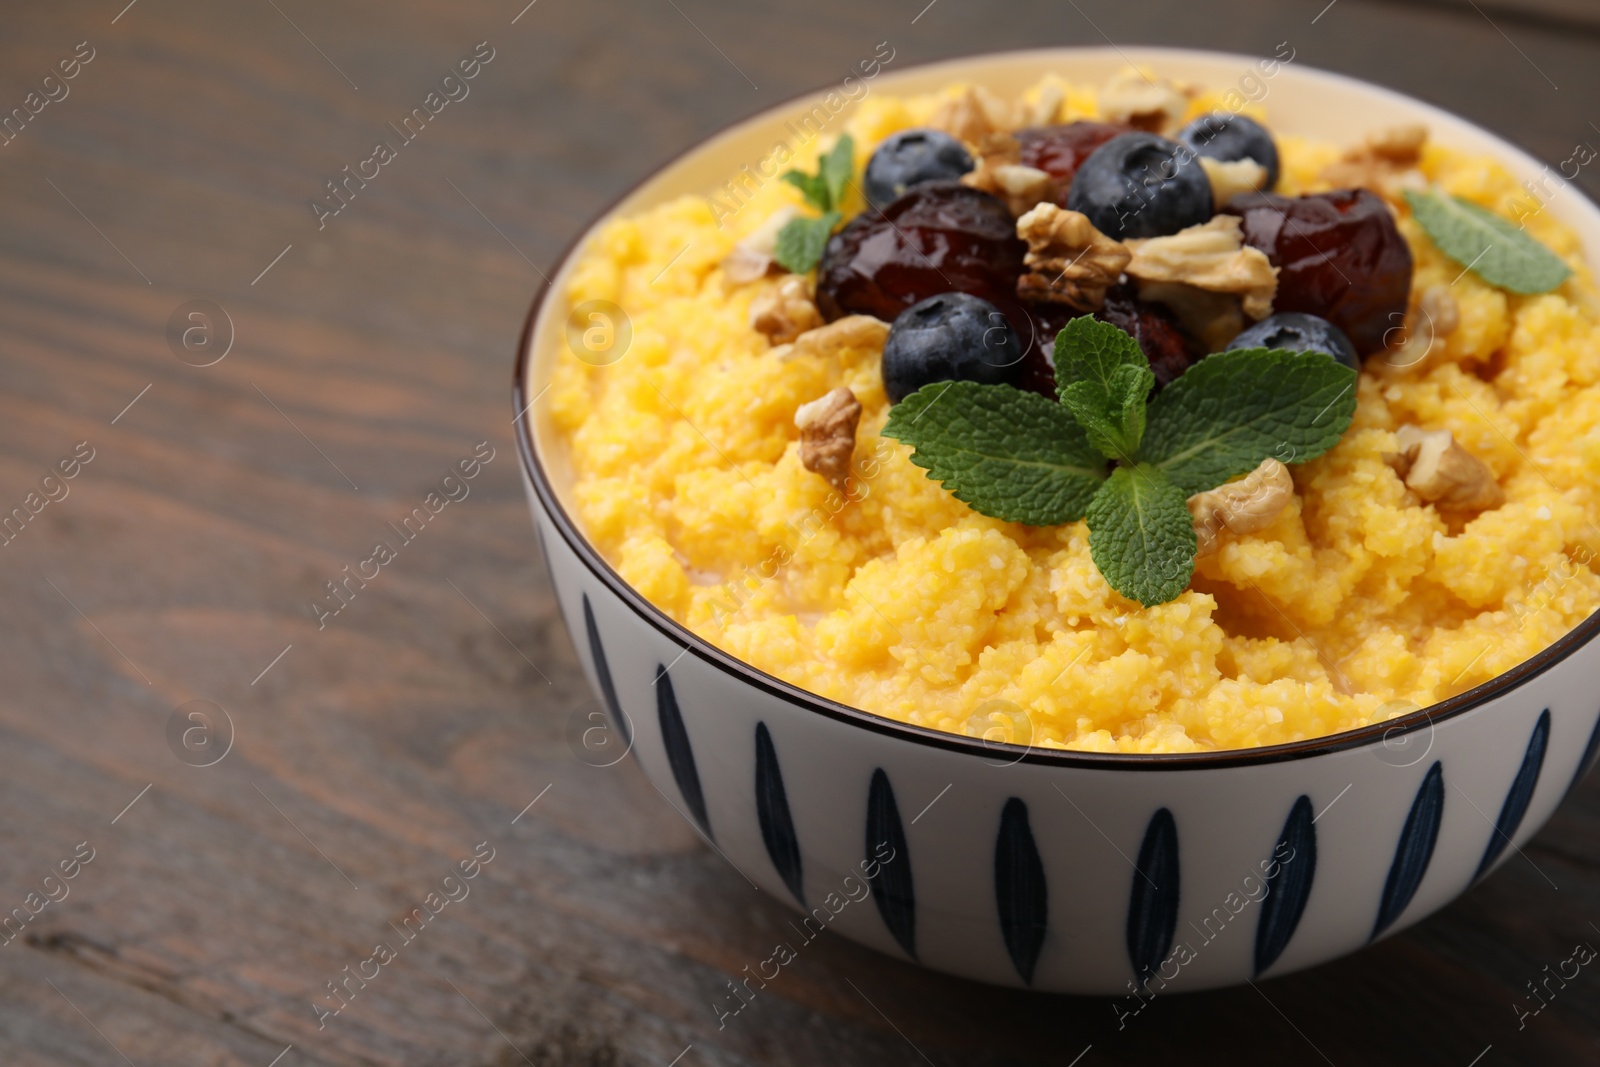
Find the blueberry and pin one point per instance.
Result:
(1299, 332)
(912, 157)
(1141, 185)
(952, 336)
(1227, 136)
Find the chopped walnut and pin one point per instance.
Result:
(852, 331)
(1435, 316)
(1441, 472)
(754, 257)
(976, 114)
(1443, 313)
(828, 434)
(997, 148)
(786, 312)
(1213, 319)
(1400, 145)
(1212, 257)
(1135, 99)
(998, 172)
(1020, 187)
(1386, 162)
(1200, 274)
(1068, 260)
(1241, 507)
(1042, 111)
(1229, 179)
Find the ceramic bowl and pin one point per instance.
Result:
(1065, 871)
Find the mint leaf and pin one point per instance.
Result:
(835, 169)
(1090, 350)
(824, 190)
(1231, 410)
(1141, 535)
(1008, 454)
(1500, 253)
(1112, 414)
(801, 241)
(811, 186)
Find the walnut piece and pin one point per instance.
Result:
(1229, 179)
(1441, 309)
(1441, 472)
(998, 172)
(1435, 316)
(976, 114)
(1212, 318)
(996, 148)
(1211, 256)
(1208, 277)
(1020, 187)
(1386, 162)
(853, 331)
(753, 257)
(786, 312)
(1135, 99)
(828, 434)
(1241, 507)
(1400, 145)
(1043, 110)
(1069, 261)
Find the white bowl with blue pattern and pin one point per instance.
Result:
(1069, 872)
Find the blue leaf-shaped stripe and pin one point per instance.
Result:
(1590, 750)
(772, 809)
(1153, 905)
(680, 757)
(886, 846)
(1516, 803)
(1415, 850)
(1288, 886)
(1019, 889)
(608, 691)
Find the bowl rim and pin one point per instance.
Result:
(690, 642)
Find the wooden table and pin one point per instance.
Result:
(356, 763)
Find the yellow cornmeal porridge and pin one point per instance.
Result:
(904, 602)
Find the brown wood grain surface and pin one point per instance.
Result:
(369, 756)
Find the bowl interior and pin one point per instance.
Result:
(1299, 101)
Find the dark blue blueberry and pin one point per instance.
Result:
(1299, 332)
(1226, 136)
(949, 337)
(1141, 185)
(909, 158)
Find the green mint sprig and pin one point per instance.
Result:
(801, 241)
(1491, 247)
(1018, 457)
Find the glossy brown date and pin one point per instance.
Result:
(1339, 255)
(947, 237)
(939, 237)
(1060, 150)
